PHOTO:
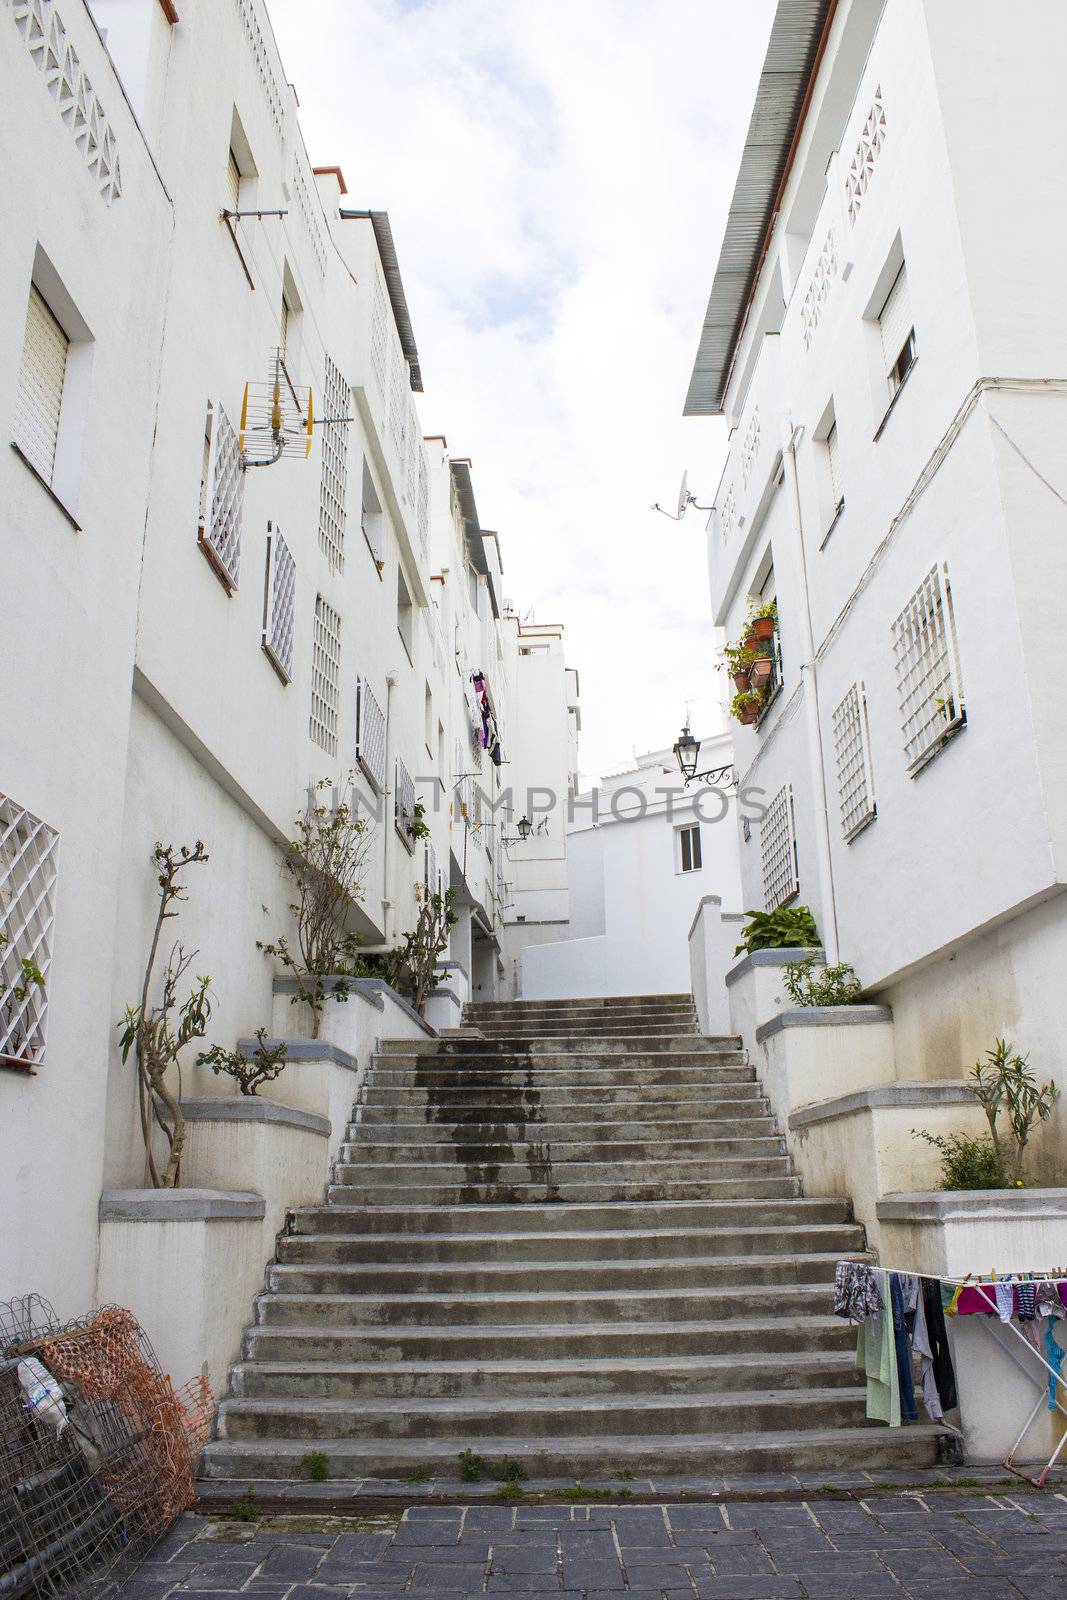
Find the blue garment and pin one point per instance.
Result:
(1054, 1354)
(908, 1409)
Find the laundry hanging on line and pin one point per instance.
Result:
(489, 733)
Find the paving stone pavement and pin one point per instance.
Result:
(917, 1545)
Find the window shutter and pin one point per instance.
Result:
(835, 466)
(694, 835)
(895, 320)
(40, 392)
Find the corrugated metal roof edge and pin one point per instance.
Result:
(383, 233)
(711, 369)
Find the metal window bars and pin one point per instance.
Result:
(333, 488)
(219, 533)
(404, 805)
(324, 716)
(926, 659)
(778, 847)
(370, 734)
(29, 853)
(279, 603)
(852, 755)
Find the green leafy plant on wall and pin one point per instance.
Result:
(809, 983)
(1003, 1084)
(787, 928)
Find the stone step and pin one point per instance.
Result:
(721, 1455)
(505, 1079)
(553, 1027)
(588, 1096)
(626, 1244)
(735, 1338)
(639, 1043)
(466, 1147)
(737, 1106)
(551, 1276)
(541, 1168)
(709, 1213)
(480, 1189)
(379, 1126)
(506, 1308)
(540, 1416)
(443, 1379)
(612, 1002)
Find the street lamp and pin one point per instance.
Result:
(525, 827)
(687, 754)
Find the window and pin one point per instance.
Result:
(279, 594)
(370, 734)
(852, 754)
(778, 848)
(428, 723)
(689, 848)
(404, 811)
(334, 482)
(926, 658)
(898, 334)
(29, 850)
(221, 497)
(325, 677)
(833, 459)
(40, 391)
(233, 181)
(405, 614)
(371, 519)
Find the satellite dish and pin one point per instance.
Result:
(683, 496)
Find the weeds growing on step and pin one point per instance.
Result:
(246, 1507)
(317, 1465)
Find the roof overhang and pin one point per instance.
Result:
(793, 54)
(383, 234)
(460, 469)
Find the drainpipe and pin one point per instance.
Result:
(390, 783)
(814, 728)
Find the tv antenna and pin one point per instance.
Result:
(686, 498)
(276, 418)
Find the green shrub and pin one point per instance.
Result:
(967, 1163)
(809, 983)
(246, 1508)
(317, 1465)
(784, 929)
(471, 1465)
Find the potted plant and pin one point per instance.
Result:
(746, 706)
(759, 675)
(738, 660)
(763, 621)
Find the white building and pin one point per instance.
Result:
(643, 852)
(192, 640)
(885, 339)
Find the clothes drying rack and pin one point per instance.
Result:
(1049, 1395)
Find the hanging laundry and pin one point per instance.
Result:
(1049, 1301)
(915, 1321)
(1054, 1354)
(937, 1336)
(876, 1356)
(856, 1291)
(902, 1349)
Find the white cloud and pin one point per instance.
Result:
(557, 176)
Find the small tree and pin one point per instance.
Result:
(264, 1064)
(413, 967)
(326, 864)
(157, 1035)
(1004, 1082)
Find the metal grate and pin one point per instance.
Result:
(40, 390)
(778, 844)
(279, 599)
(325, 677)
(370, 734)
(852, 753)
(861, 169)
(926, 659)
(29, 851)
(220, 526)
(404, 812)
(45, 37)
(334, 484)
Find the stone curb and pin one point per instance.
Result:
(936, 1092)
(823, 1017)
(181, 1205)
(304, 1050)
(942, 1205)
(250, 1108)
(771, 958)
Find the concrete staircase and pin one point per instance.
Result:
(568, 1234)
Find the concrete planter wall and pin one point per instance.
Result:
(952, 1234)
(372, 1010)
(812, 1053)
(713, 936)
(280, 1153)
(755, 992)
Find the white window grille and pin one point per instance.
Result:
(379, 334)
(325, 677)
(261, 56)
(750, 447)
(819, 288)
(778, 846)
(44, 34)
(279, 599)
(29, 851)
(40, 391)
(926, 658)
(852, 754)
(861, 168)
(431, 869)
(397, 408)
(689, 846)
(222, 496)
(307, 207)
(898, 332)
(370, 734)
(414, 444)
(333, 486)
(424, 499)
(833, 455)
(404, 805)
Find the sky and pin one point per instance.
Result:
(557, 174)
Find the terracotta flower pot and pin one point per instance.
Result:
(759, 674)
(748, 715)
(740, 681)
(763, 627)
(751, 638)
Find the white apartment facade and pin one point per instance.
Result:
(193, 640)
(886, 340)
(643, 850)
